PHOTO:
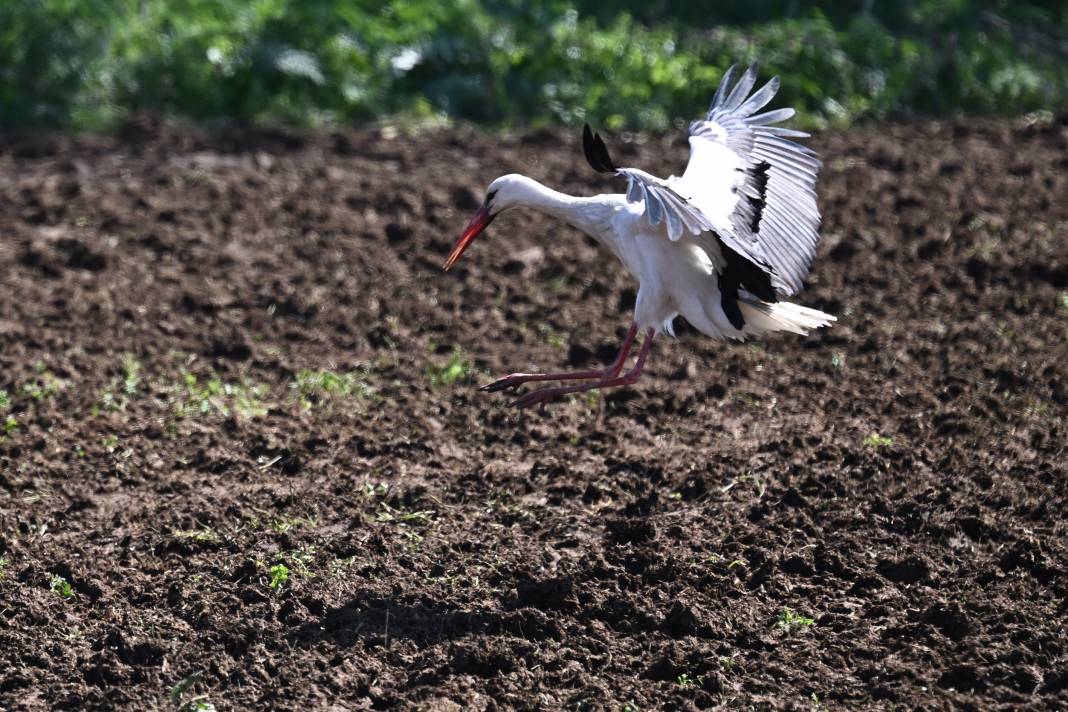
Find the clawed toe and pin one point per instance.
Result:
(532, 398)
(510, 381)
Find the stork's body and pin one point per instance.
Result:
(716, 245)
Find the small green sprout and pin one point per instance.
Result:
(5, 400)
(279, 575)
(788, 620)
(43, 387)
(131, 374)
(204, 535)
(3, 567)
(684, 680)
(110, 442)
(199, 399)
(396, 516)
(375, 489)
(315, 387)
(339, 566)
(60, 585)
(877, 441)
(552, 337)
(301, 558)
(200, 703)
(455, 369)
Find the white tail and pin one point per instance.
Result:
(761, 317)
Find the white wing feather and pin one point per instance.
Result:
(745, 181)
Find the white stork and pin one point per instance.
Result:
(719, 244)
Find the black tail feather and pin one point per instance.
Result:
(596, 152)
(728, 291)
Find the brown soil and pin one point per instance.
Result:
(898, 479)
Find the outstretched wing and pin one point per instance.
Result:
(745, 183)
(662, 204)
(745, 172)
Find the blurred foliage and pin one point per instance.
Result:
(85, 64)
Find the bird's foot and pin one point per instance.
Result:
(517, 379)
(543, 394)
(510, 381)
(535, 397)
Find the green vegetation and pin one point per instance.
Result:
(198, 703)
(630, 64)
(316, 387)
(3, 567)
(204, 535)
(8, 423)
(397, 516)
(282, 523)
(60, 585)
(44, 386)
(877, 441)
(214, 395)
(453, 370)
(122, 388)
(789, 620)
(279, 575)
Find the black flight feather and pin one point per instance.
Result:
(759, 175)
(751, 276)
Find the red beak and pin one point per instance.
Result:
(477, 225)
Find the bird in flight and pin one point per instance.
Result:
(721, 244)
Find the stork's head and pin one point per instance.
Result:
(504, 193)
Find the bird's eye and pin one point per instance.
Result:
(489, 196)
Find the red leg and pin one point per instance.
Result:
(611, 371)
(629, 378)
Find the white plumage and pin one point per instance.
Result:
(719, 244)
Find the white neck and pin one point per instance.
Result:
(586, 214)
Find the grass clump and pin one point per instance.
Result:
(123, 387)
(316, 387)
(391, 515)
(456, 368)
(60, 585)
(43, 386)
(198, 398)
(877, 441)
(686, 680)
(788, 619)
(8, 423)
